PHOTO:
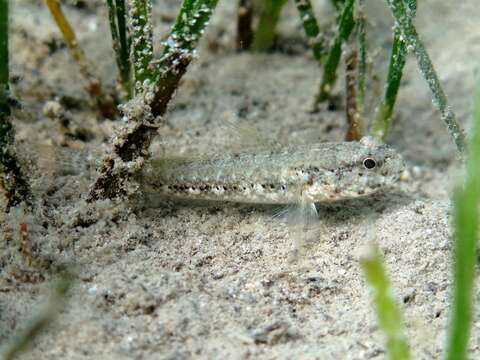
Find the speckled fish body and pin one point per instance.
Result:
(305, 173)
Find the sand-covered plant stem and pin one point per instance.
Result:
(311, 28)
(388, 312)
(345, 26)
(121, 43)
(142, 39)
(466, 216)
(12, 181)
(383, 120)
(354, 119)
(415, 44)
(179, 50)
(130, 147)
(244, 25)
(104, 101)
(267, 23)
(355, 75)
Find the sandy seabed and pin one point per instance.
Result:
(182, 281)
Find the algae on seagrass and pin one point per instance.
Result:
(144, 111)
(142, 42)
(311, 28)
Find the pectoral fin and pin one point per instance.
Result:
(303, 220)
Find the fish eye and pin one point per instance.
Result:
(369, 163)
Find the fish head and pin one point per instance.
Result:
(360, 168)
